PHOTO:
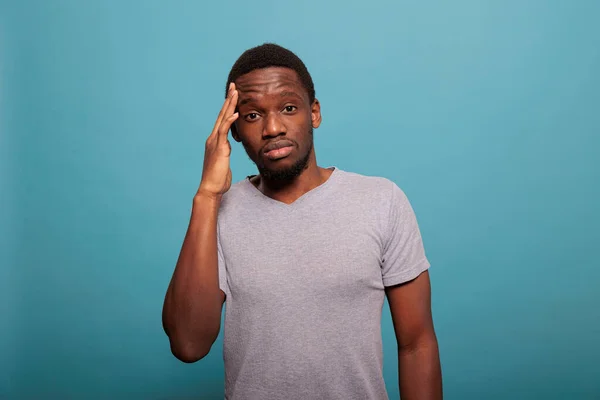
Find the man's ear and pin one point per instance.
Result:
(315, 112)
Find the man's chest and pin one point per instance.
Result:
(309, 257)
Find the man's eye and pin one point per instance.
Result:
(251, 116)
(290, 108)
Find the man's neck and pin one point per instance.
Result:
(288, 192)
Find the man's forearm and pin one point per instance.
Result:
(420, 375)
(193, 303)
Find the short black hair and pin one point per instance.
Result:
(271, 55)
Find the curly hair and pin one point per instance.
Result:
(271, 55)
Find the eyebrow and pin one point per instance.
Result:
(246, 101)
(291, 94)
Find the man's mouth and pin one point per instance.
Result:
(278, 149)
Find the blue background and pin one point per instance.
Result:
(487, 114)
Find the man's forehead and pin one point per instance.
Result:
(268, 79)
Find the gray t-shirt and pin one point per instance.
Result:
(305, 286)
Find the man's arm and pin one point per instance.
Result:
(420, 375)
(194, 301)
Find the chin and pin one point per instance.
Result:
(283, 173)
(286, 169)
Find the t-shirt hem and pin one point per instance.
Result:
(408, 275)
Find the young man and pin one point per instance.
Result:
(303, 255)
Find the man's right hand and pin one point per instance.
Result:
(216, 173)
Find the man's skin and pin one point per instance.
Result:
(272, 105)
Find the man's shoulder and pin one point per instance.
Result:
(367, 180)
(236, 200)
(237, 188)
(371, 184)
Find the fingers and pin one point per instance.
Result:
(228, 117)
(225, 126)
(224, 109)
(233, 103)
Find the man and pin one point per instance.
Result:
(303, 256)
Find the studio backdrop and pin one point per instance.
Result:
(486, 113)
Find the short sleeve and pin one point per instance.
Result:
(403, 256)
(221, 263)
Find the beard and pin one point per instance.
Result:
(285, 175)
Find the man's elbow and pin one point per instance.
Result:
(189, 352)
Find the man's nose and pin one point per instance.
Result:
(273, 126)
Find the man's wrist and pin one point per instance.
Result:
(203, 198)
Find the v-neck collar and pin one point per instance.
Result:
(311, 193)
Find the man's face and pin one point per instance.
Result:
(275, 111)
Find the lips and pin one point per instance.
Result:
(278, 150)
(277, 145)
